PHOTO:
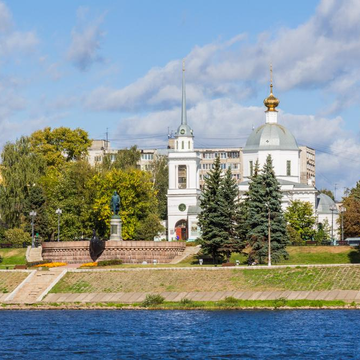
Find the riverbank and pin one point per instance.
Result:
(227, 304)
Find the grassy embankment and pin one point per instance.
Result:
(227, 304)
(10, 280)
(187, 280)
(12, 257)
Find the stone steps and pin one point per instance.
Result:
(189, 251)
(36, 287)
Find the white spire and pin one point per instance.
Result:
(183, 109)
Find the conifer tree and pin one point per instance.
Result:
(264, 198)
(211, 219)
(228, 201)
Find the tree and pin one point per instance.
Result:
(328, 193)
(301, 218)
(148, 228)
(211, 220)
(20, 170)
(323, 232)
(137, 199)
(351, 202)
(60, 145)
(72, 191)
(228, 199)
(160, 178)
(264, 200)
(124, 159)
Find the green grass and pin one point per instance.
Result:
(12, 257)
(223, 279)
(309, 255)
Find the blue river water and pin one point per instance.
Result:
(122, 334)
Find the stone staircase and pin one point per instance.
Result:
(34, 254)
(189, 251)
(35, 286)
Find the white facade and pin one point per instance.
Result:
(184, 182)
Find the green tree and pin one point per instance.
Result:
(148, 228)
(124, 159)
(228, 199)
(264, 200)
(20, 170)
(60, 145)
(160, 178)
(72, 191)
(17, 237)
(351, 203)
(301, 218)
(323, 232)
(211, 220)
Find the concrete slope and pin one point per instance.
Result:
(189, 251)
(36, 286)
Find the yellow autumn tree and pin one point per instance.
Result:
(137, 199)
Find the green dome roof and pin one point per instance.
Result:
(184, 130)
(271, 137)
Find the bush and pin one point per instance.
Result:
(185, 301)
(16, 237)
(231, 300)
(151, 300)
(1, 259)
(109, 262)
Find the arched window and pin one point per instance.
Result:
(177, 145)
(189, 145)
(182, 145)
(251, 168)
(182, 176)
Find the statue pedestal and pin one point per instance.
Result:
(115, 228)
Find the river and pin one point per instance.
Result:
(123, 334)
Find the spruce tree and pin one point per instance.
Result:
(264, 198)
(228, 208)
(211, 219)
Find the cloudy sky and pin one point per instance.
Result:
(116, 65)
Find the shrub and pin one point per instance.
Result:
(280, 302)
(152, 299)
(16, 237)
(230, 300)
(1, 259)
(186, 301)
(109, 262)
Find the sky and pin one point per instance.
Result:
(116, 66)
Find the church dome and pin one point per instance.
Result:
(324, 203)
(271, 137)
(184, 130)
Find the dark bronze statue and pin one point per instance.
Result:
(115, 203)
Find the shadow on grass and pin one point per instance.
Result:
(354, 256)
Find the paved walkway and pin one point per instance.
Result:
(127, 298)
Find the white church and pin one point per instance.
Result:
(270, 138)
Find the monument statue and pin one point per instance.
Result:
(115, 203)
(115, 221)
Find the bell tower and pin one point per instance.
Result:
(184, 184)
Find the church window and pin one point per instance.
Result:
(189, 145)
(177, 143)
(288, 168)
(251, 168)
(182, 145)
(182, 176)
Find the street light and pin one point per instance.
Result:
(342, 210)
(32, 214)
(332, 209)
(269, 237)
(58, 212)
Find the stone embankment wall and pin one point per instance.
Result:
(130, 252)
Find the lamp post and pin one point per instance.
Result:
(58, 212)
(342, 210)
(32, 214)
(332, 209)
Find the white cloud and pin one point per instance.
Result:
(86, 41)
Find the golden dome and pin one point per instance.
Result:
(271, 102)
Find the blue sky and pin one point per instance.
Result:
(117, 65)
